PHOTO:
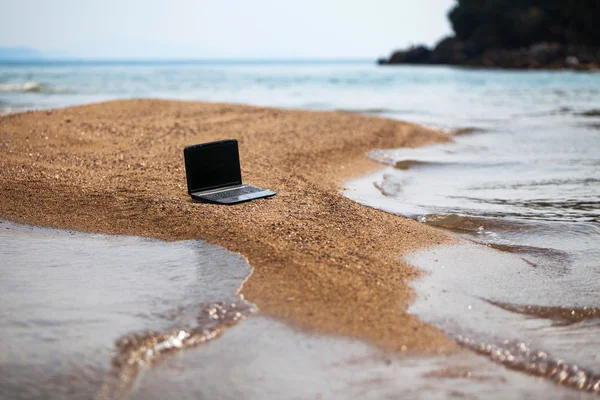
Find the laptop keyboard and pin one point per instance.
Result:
(232, 193)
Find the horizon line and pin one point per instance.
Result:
(186, 59)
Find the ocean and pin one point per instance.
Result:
(519, 184)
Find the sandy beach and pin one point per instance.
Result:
(321, 262)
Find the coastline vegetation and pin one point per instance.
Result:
(549, 34)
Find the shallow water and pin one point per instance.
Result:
(66, 298)
(261, 358)
(525, 183)
(94, 316)
(496, 303)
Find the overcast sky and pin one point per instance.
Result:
(221, 28)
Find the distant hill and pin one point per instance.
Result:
(19, 54)
(516, 34)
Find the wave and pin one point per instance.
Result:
(373, 110)
(560, 315)
(470, 130)
(5, 110)
(408, 164)
(584, 208)
(190, 329)
(592, 126)
(595, 112)
(520, 356)
(27, 87)
(539, 183)
(474, 225)
(554, 262)
(554, 111)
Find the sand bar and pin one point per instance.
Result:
(322, 262)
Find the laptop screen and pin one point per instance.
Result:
(212, 165)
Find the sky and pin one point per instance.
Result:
(242, 29)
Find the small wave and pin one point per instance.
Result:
(470, 130)
(560, 315)
(388, 188)
(585, 207)
(554, 262)
(5, 110)
(556, 111)
(408, 164)
(538, 183)
(21, 87)
(562, 110)
(474, 225)
(374, 110)
(27, 87)
(595, 112)
(593, 126)
(190, 329)
(520, 356)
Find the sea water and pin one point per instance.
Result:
(521, 178)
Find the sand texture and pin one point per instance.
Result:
(322, 262)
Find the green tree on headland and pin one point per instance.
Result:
(519, 23)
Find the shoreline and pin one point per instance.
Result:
(321, 262)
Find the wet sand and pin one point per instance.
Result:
(321, 262)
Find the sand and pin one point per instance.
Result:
(321, 262)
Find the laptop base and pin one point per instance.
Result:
(233, 200)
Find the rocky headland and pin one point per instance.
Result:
(529, 34)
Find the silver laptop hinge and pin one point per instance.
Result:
(223, 189)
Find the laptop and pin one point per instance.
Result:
(214, 175)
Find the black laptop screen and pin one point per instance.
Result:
(212, 165)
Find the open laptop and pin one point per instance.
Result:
(214, 175)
